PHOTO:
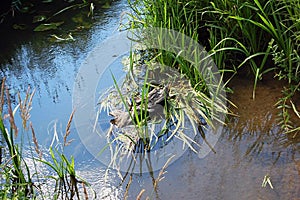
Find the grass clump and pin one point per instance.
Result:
(153, 106)
(17, 181)
(257, 37)
(21, 174)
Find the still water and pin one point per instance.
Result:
(251, 146)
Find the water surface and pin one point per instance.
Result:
(251, 146)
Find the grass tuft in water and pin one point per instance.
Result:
(21, 180)
(257, 37)
(153, 106)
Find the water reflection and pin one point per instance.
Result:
(51, 68)
(28, 59)
(256, 131)
(251, 147)
(106, 186)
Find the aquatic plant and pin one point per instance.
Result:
(48, 15)
(19, 179)
(258, 37)
(154, 105)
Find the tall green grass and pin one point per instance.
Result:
(186, 110)
(19, 180)
(258, 37)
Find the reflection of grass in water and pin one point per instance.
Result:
(185, 112)
(256, 132)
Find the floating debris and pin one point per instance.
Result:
(55, 38)
(266, 181)
(47, 27)
(39, 18)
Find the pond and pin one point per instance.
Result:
(250, 147)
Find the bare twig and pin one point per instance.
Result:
(127, 187)
(140, 194)
(86, 196)
(162, 172)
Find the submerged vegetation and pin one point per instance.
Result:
(248, 37)
(45, 15)
(153, 106)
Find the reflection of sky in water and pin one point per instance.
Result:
(51, 69)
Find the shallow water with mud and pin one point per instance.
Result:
(251, 146)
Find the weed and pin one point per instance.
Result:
(258, 36)
(21, 181)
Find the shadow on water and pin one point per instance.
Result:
(251, 147)
(257, 126)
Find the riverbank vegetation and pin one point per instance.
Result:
(251, 38)
(243, 37)
(33, 173)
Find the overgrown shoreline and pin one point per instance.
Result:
(256, 37)
(18, 179)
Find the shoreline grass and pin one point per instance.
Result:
(21, 181)
(260, 36)
(186, 112)
(255, 36)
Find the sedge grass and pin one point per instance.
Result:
(258, 36)
(18, 180)
(184, 108)
(21, 181)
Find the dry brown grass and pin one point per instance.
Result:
(140, 194)
(25, 107)
(36, 144)
(11, 115)
(66, 143)
(2, 95)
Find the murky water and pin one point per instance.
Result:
(251, 146)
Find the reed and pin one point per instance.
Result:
(21, 181)
(2, 95)
(67, 132)
(25, 106)
(35, 141)
(134, 132)
(18, 178)
(66, 180)
(258, 37)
